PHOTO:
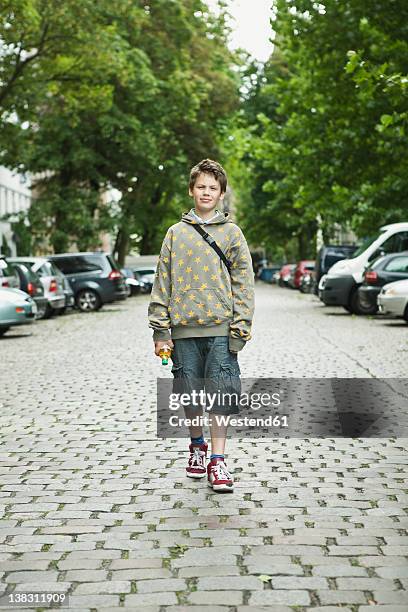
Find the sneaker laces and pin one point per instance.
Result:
(197, 457)
(221, 471)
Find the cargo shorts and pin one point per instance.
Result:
(207, 364)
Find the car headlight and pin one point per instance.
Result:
(389, 292)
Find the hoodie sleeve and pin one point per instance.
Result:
(242, 288)
(159, 319)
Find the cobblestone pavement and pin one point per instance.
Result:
(94, 505)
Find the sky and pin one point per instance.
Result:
(251, 28)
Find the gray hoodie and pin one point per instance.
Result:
(193, 293)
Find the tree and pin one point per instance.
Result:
(330, 118)
(131, 101)
(187, 120)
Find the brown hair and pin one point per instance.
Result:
(208, 166)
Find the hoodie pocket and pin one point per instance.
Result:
(200, 307)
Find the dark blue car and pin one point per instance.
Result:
(95, 278)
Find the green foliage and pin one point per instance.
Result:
(327, 118)
(111, 94)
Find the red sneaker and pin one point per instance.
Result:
(219, 477)
(197, 460)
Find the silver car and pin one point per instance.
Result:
(393, 299)
(8, 276)
(51, 280)
(16, 308)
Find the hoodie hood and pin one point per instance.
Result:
(221, 217)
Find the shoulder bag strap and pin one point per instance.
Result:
(210, 240)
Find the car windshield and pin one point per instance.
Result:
(76, 264)
(31, 276)
(368, 242)
(29, 264)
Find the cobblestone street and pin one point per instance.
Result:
(95, 506)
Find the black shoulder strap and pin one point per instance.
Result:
(210, 240)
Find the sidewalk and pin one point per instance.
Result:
(95, 506)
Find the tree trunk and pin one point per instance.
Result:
(307, 241)
(121, 246)
(149, 237)
(147, 243)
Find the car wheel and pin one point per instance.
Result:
(405, 315)
(88, 300)
(3, 330)
(358, 307)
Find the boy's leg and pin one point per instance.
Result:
(188, 370)
(221, 374)
(218, 438)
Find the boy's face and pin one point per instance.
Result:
(206, 193)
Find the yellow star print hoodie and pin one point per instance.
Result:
(193, 294)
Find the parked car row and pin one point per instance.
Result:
(369, 279)
(357, 282)
(139, 280)
(296, 275)
(40, 287)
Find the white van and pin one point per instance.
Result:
(339, 287)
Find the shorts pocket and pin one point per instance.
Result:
(231, 368)
(179, 379)
(177, 371)
(229, 386)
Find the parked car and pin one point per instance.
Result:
(50, 279)
(16, 308)
(146, 276)
(268, 274)
(393, 299)
(330, 254)
(8, 276)
(302, 267)
(339, 287)
(276, 277)
(94, 277)
(307, 283)
(69, 294)
(285, 274)
(31, 284)
(133, 284)
(382, 271)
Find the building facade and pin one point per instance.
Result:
(15, 197)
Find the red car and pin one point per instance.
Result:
(303, 267)
(285, 274)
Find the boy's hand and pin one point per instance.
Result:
(160, 343)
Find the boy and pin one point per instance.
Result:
(207, 308)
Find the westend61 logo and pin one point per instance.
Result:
(222, 419)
